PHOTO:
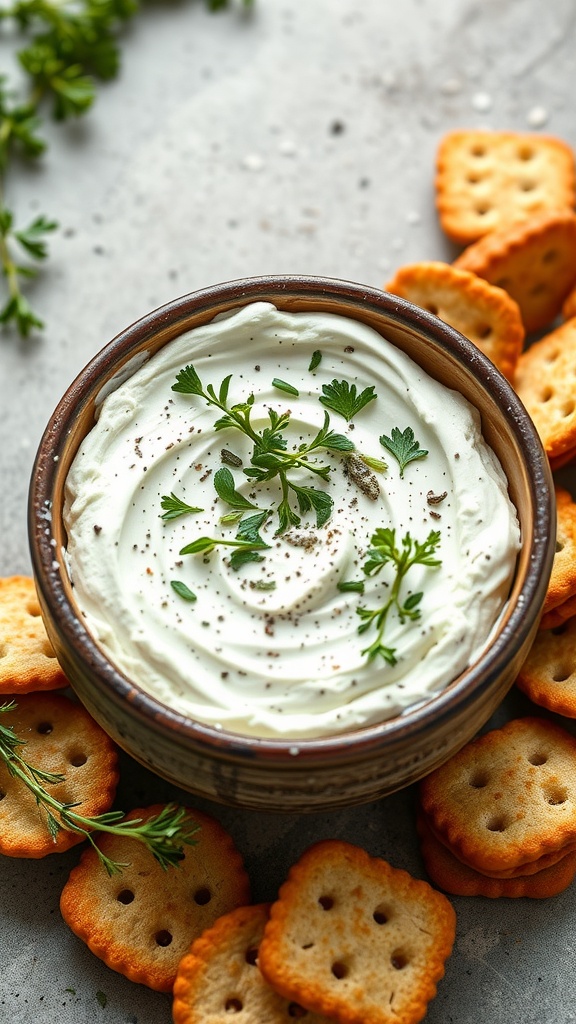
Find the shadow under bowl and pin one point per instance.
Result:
(297, 776)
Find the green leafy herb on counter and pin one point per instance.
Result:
(67, 46)
(384, 550)
(163, 835)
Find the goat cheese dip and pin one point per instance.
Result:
(271, 647)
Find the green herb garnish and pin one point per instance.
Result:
(384, 551)
(163, 835)
(342, 397)
(270, 457)
(281, 385)
(68, 46)
(315, 361)
(175, 507)
(182, 590)
(403, 446)
(351, 586)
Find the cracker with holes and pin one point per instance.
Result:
(27, 660)
(141, 923)
(355, 939)
(544, 381)
(219, 977)
(451, 875)
(58, 736)
(548, 675)
(533, 260)
(485, 179)
(562, 584)
(481, 312)
(507, 800)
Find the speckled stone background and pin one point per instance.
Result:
(298, 139)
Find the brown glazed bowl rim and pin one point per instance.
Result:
(171, 319)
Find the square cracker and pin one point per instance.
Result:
(219, 976)
(507, 798)
(484, 314)
(485, 179)
(27, 658)
(548, 675)
(562, 584)
(544, 380)
(533, 260)
(355, 939)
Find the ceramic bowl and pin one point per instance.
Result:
(330, 772)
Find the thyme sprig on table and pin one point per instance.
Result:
(402, 557)
(270, 458)
(164, 835)
(67, 46)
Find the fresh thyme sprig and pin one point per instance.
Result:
(164, 835)
(270, 456)
(383, 551)
(68, 45)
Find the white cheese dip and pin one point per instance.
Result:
(272, 649)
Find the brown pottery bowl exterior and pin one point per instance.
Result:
(302, 775)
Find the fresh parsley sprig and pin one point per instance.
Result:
(164, 835)
(403, 446)
(343, 398)
(384, 550)
(67, 46)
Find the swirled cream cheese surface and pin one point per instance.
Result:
(289, 619)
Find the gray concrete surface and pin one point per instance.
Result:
(300, 139)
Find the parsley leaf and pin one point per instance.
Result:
(403, 446)
(342, 397)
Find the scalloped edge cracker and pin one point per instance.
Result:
(219, 976)
(533, 260)
(61, 737)
(484, 314)
(27, 658)
(508, 798)
(487, 178)
(355, 939)
(548, 675)
(451, 875)
(544, 382)
(141, 922)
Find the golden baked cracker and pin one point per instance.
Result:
(569, 307)
(533, 260)
(487, 178)
(27, 659)
(219, 977)
(141, 923)
(507, 798)
(548, 676)
(451, 875)
(481, 312)
(544, 380)
(60, 737)
(562, 584)
(355, 939)
(557, 616)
